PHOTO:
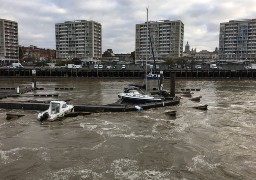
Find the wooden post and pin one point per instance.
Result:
(18, 90)
(161, 81)
(172, 83)
(34, 79)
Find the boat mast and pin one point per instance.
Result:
(146, 56)
(152, 51)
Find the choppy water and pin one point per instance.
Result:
(214, 144)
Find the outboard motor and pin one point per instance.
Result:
(44, 117)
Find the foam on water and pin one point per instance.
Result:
(87, 126)
(71, 172)
(100, 127)
(129, 169)
(121, 130)
(251, 164)
(3, 124)
(181, 127)
(12, 155)
(200, 162)
(132, 135)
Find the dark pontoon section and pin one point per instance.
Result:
(88, 108)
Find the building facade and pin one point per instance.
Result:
(203, 55)
(165, 38)
(237, 40)
(9, 50)
(206, 56)
(78, 39)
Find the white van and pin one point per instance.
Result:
(198, 66)
(16, 65)
(77, 66)
(123, 66)
(213, 66)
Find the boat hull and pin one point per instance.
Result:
(140, 100)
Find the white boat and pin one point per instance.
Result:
(151, 82)
(134, 96)
(153, 76)
(56, 110)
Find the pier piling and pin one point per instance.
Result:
(172, 83)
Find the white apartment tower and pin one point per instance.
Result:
(165, 38)
(9, 50)
(78, 39)
(237, 40)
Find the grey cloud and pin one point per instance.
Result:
(37, 18)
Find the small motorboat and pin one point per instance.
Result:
(134, 96)
(56, 110)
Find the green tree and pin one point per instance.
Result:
(169, 60)
(76, 61)
(108, 53)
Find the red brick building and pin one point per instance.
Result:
(33, 54)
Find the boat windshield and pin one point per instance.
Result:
(55, 108)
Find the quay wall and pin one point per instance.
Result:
(126, 73)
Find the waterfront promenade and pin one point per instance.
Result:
(127, 73)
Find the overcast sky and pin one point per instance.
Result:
(201, 18)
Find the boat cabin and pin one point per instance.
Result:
(56, 106)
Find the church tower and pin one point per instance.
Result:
(187, 48)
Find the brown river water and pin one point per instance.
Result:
(219, 143)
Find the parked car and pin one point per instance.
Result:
(109, 67)
(198, 66)
(98, 66)
(247, 67)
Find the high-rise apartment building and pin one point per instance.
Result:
(165, 38)
(9, 50)
(78, 39)
(237, 40)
